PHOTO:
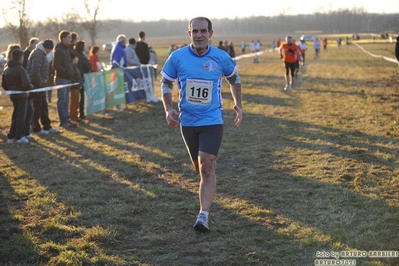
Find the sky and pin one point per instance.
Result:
(185, 10)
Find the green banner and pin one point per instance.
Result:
(114, 82)
(95, 99)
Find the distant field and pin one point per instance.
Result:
(311, 173)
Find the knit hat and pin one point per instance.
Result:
(48, 44)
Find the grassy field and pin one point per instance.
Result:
(310, 171)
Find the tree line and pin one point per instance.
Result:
(90, 28)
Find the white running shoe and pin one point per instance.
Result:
(23, 140)
(201, 225)
(53, 130)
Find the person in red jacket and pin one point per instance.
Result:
(289, 52)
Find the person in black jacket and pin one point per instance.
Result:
(15, 78)
(63, 73)
(142, 50)
(84, 66)
(32, 45)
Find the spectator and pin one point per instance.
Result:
(118, 59)
(38, 70)
(14, 77)
(32, 45)
(153, 60)
(131, 56)
(118, 54)
(397, 48)
(63, 73)
(84, 66)
(230, 50)
(50, 80)
(94, 59)
(142, 50)
(221, 46)
(11, 47)
(75, 89)
(172, 48)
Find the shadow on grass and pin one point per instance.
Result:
(13, 241)
(132, 176)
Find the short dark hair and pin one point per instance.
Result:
(16, 54)
(74, 36)
(141, 34)
(94, 50)
(80, 46)
(200, 18)
(63, 34)
(132, 41)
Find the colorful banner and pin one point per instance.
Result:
(135, 84)
(118, 86)
(95, 100)
(114, 82)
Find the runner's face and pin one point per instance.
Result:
(199, 34)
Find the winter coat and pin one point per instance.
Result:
(38, 66)
(15, 78)
(118, 56)
(84, 64)
(62, 62)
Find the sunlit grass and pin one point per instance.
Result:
(310, 169)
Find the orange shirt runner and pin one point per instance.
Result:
(291, 52)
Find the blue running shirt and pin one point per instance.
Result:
(199, 80)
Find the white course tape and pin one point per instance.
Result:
(57, 87)
(393, 60)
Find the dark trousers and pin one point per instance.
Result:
(28, 118)
(40, 107)
(18, 119)
(82, 103)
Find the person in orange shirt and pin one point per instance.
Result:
(94, 59)
(289, 52)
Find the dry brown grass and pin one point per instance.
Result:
(313, 169)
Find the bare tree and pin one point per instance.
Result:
(70, 21)
(91, 24)
(20, 30)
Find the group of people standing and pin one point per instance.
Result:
(44, 64)
(228, 47)
(129, 52)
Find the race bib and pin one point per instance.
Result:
(199, 91)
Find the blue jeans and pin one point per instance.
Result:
(63, 101)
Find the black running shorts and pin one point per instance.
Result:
(205, 139)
